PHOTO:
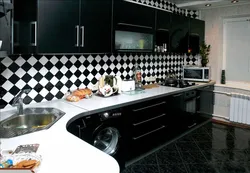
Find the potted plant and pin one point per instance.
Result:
(204, 52)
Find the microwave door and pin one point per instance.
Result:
(193, 74)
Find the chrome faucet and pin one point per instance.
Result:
(18, 101)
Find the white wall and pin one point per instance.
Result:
(214, 32)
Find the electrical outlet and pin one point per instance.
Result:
(150, 79)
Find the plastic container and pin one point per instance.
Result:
(6, 164)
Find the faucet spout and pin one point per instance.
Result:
(18, 101)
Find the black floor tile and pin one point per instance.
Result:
(233, 167)
(186, 138)
(239, 156)
(145, 169)
(169, 148)
(191, 157)
(202, 137)
(148, 160)
(176, 168)
(169, 158)
(215, 156)
(127, 170)
(200, 168)
(187, 146)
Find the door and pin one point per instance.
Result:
(58, 26)
(25, 26)
(107, 140)
(96, 25)
(134, 16)
(196, 34)
(163, 26)
(179, 34)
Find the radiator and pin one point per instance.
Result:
(240, 108)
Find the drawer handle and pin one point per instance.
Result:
(192, 125)
(177, 95)
(142, 122)
(158, 104)
(162, 127)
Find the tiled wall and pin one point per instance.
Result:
(50, 77)
(169, 6)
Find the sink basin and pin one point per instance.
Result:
(33, 119)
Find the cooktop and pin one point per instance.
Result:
(180, 84)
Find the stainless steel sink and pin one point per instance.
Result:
(32, 120)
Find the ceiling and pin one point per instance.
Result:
(200, 4)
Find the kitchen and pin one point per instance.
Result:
(50, 66)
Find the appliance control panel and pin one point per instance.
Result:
(110, 114)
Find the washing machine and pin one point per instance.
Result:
(104, 131)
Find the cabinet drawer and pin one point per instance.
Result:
(143, 129)
(148, 112)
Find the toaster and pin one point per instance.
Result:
(128, 85)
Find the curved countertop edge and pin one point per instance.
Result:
(59, 147)
(113, 102)
(51, 145)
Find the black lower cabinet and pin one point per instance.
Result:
(146, 125)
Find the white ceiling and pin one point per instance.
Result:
(200, 4)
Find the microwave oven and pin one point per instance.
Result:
(195, 73)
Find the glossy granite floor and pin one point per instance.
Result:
(212, 148)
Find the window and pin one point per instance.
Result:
(237, 49)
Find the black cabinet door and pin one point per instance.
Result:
(95, 26)
(163, 25)
(58, 23)
(134, 16)
(179, 34)
(196, 34)
(25, 26)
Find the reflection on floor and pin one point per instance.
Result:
(213, 148)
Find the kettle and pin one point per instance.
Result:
(171, 78)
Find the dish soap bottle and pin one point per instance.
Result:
(137, 76)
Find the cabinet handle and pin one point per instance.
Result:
(83, 36)
(161, 29)
(162, 127)
(35, 34)
(138, 26)
(77, 36)
(135, 110)
(142, 122)
(192, 125)
(177, 95)
(17, 36)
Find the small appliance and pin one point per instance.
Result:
(195, 73)
(128, 85)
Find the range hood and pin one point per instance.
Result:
(5, 7)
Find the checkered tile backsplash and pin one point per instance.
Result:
(166, 5)
(50, 77)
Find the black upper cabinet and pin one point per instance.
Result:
(163, 26)
(179, 34)
(25, 22)
(196, 34)
(63, 26)
(96, 26)
(57, 26)
(133, 16)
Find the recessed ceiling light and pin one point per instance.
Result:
(234, 1)
(208, 5)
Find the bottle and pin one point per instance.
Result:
(137, 76)
(6, 164)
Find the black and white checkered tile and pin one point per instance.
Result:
(169, 6)
(50, 77)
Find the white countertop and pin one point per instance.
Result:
(63, 152)
(60, 150)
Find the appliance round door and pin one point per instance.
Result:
(107, 140)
